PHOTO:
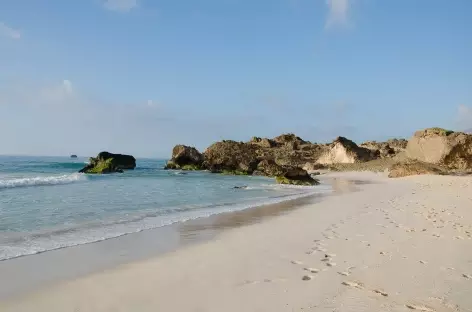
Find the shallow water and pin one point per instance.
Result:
(45, 204)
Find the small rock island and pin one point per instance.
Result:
(106, 162)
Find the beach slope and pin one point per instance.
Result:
(392, 245)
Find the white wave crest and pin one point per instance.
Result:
(47, 180)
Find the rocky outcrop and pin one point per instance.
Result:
(231, 157)
(263, 142)
(440, 146)
(73, 156)
(269, 168)
(345, 151)
(289, 138)
(296, 176)
(404, 169)
(398, 145)
(185, 158)
(108, 163)
(386, 149)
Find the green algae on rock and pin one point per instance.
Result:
(106, 162)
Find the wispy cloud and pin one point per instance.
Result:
(6, 31)
(120, 5)
(338, 13)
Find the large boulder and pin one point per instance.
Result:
(440, 146)
(345, 151)
(270, 168)
(186, 158)
(106, 162)
(231, 157)
(296, 176)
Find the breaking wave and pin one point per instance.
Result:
(38, 181)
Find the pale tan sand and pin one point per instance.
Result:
(394, 244)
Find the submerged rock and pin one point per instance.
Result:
(185, 158)
(106, 162)
(440, 146)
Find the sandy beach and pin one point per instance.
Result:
(391, 245)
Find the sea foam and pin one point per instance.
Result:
(46, 180)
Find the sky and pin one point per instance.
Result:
(139, 76)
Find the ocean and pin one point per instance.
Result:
(45, 204)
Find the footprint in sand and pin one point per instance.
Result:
(423, 262)
(330, 264)
(419, 307)
(307, 277)
(296, 262)
(312, 270)
(353, 284)
(380, 292)
(468, 276)
(344, 273)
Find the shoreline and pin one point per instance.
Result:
(391, 245)
(40, 269)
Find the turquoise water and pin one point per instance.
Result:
(45, 204)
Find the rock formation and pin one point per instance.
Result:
(345, 151)
(296, 176)
(73, 156)
(280, 157)
(269, 167)
(409, 168)
(185, 158)
(443, 147)
(231, 157)
(107, 163)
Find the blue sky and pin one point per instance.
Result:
(139, 76)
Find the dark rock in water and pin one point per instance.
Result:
(296, 176)
(185, 158)
(108, 163)
(73, 156)
(240, 187)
